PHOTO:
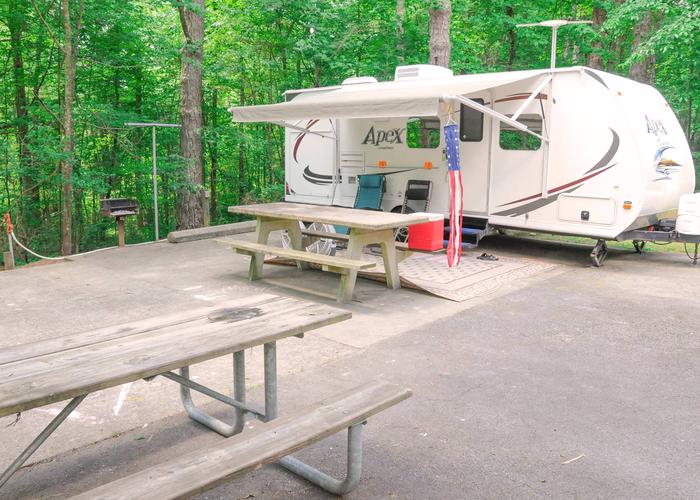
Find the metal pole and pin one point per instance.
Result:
(328, 483)
(553, 57)
(155, 181)
(270, 362)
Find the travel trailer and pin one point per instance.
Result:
(571, 151)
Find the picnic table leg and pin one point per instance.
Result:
(295, 237)
(262, 233)
(204, 418)
(391, 264)
(328, 483)
(270, 362)
(239, 389)
(264, 227)
(348, 279)
(39, 440)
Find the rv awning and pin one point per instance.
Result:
(375, 100)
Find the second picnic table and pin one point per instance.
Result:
(366, 227)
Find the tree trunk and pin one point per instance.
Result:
(511, 39)
(114, 154)
(16, 25)
(642, 70)
(138, 108)
(70, 58)
(241, 149)
(270, 155)
(400, 15)
(191, 200)
(214, 154)
(595, 60)
(317, 72)
(440, 46)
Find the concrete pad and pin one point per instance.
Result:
(595, 365)
(121, 285)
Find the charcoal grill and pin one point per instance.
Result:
(119, 208)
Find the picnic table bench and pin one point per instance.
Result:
(366, 227)
(71, 367)
(212, 466)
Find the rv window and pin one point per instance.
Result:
(513, 139)
(471, 123)
(423, 133)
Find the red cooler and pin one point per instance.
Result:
(427, 236)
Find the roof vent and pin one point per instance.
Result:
(421, 71)
(354, 80)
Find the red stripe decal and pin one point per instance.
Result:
(559, 188)
(297, 143)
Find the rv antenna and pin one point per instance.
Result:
(554, 24)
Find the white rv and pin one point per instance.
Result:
(570, 151)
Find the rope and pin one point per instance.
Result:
(10, 231)
(14, 238)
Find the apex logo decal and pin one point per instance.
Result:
(655, 127)
(380, 137)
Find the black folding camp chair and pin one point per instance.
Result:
(416, 199)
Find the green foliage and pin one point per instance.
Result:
(129, 71)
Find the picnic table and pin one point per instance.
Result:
(366, 227)
(71, 367)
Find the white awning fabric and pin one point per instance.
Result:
(374, 100)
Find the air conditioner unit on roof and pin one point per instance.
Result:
(421, 71)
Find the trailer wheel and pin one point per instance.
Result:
(599, 252)
(639, 245)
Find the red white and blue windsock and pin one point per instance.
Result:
(454, 244)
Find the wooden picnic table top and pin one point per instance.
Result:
(341, 216)
(49, 371)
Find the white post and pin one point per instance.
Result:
(9, 257)
(155, 181)
(9, 243)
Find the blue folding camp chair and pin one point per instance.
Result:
(370, 191)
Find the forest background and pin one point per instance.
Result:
(74, 72)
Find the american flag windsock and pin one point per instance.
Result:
(454, 244)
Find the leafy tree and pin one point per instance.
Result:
(126, 60)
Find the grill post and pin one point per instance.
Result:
(119, 208)
(120, 231)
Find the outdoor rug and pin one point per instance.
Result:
(472, 278)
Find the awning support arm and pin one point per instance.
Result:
(304, 130)
(531, 97)
(488, 111)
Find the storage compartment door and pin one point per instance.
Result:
(586, 209)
